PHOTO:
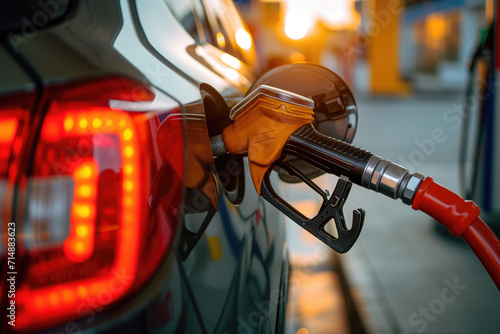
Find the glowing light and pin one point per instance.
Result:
(243, 39)
(84, 211)
(81, 291)
(230, 61)
(83, 123)
(53, 299)
(68, 123)
(129, 151)
(68, 295)
(96, 123)
(128, 185)
(82, 231)
(231, 74)
(8, 127)
(127, 134)
(85, 190)
(297, 25)
(128, 201)
(128, 169)
(221, 40)
(80, 242)
(338, 15)
(334, 15)
(85, 172)
(79, 247)
(61, 299)
(436, 26)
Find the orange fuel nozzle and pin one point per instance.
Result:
(272, 123)
(263, 122)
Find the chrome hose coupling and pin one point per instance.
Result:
(391, 179)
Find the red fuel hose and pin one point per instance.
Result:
(486, 246)
(461, 217)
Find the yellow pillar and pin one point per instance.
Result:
(383, 50)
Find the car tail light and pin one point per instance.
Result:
(8, 128)
(87, 222)
(9, 123)
(14, 113)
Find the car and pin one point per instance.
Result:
(115, 217)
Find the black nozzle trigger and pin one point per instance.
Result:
(331, 209)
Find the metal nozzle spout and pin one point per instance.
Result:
(218, 147)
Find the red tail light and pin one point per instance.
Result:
(87, 221)
(13, 118)
(8, 128)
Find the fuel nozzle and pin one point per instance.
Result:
(271, 123)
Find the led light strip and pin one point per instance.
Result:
(79, 245)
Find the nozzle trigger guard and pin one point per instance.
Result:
(330, 209)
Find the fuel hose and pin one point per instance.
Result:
(366, 169)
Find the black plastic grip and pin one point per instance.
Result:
(328, 154)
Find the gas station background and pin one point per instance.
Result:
(377, 46)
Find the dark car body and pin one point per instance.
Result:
(115, 217)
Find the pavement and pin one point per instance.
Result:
(404, 274)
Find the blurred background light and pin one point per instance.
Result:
(243, 39)
(297, 23)
(334, 15)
